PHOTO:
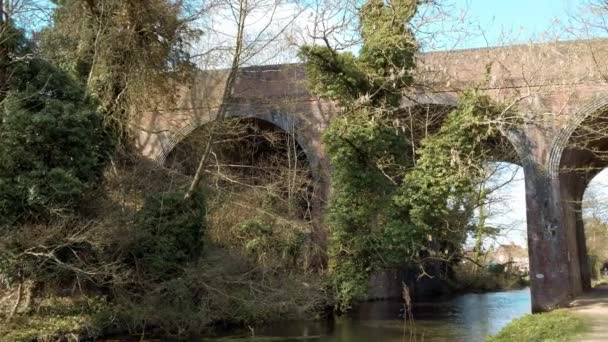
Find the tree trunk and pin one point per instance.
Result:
(481, 225)
(4, 45)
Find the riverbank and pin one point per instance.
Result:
(585, 320)
(464, 318)
(136, 258)
(179, 310)
(469, 316)
(559, 325)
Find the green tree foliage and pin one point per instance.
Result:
(385, 207)
(596, 234)
(334, 75)
(128, 53)
(383, 68)
(440, 192)
(388, 47)
(366, 151)
(52, 142)
(366, 156)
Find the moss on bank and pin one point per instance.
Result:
(554, 326)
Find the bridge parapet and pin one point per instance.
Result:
(520, 66)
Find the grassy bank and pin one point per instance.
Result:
(553, 326)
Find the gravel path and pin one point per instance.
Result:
(594, 308)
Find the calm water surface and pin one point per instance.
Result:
(466, 318)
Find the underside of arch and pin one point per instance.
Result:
(285, 122)
(262, 141)
(582, 153)
(247, 140)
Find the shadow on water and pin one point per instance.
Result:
(469, 318)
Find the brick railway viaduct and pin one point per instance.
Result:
(559, 89)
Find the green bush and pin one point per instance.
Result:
(53, 144)
(168, 232)
(469, 277)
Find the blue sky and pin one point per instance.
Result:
(509, 213)
(508, 208)
(517, 20)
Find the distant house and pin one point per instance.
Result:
(515, 256)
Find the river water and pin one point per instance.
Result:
(466, 318)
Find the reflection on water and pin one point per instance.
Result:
(468, 318)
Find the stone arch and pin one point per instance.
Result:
(285, 122)
(595, 214)
(306, 136)
(571, 166)
(519, 155)
(560, 143)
